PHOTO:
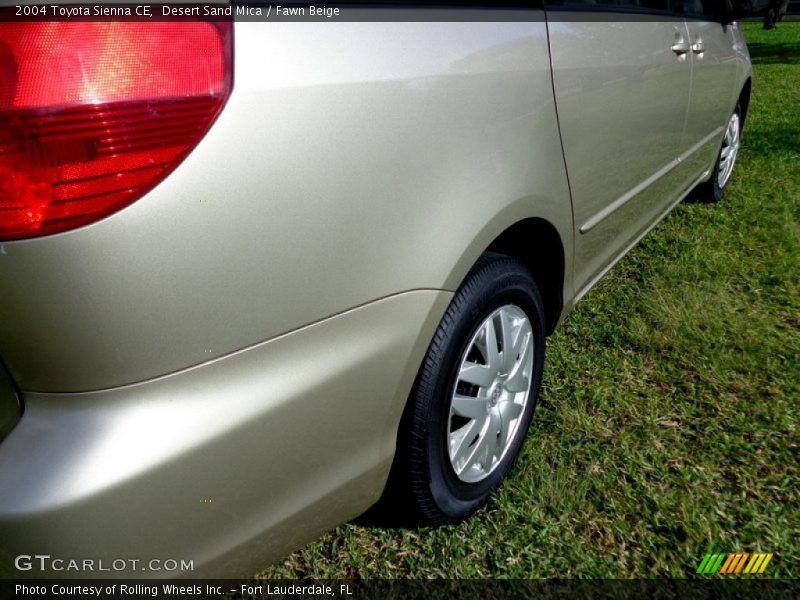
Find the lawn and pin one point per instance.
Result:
(667, 426)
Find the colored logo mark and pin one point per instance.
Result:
(734, 564)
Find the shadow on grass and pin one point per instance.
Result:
(781, 53)
(772, 140)
(388, 515)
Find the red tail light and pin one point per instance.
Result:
(93, 115)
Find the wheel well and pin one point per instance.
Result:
(744, 98)
(536, 244)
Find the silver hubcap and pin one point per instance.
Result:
(491, 392)
(730, 148)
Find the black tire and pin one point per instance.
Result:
(710, 191)
(423, 486)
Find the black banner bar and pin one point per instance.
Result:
(406, 589)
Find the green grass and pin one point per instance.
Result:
(667, 425)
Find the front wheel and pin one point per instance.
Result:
(714, 189)
(473, 400)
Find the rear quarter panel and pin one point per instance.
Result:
(353, 161)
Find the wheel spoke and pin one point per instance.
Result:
(493, 448)
(469, 406)
(471, 454)
(492, 358)
(460, 442)
(520, 340)
(508, 412)
(477, 374)
(518, 380)
(509, 353)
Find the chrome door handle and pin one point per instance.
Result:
(680, 48)
(698, 47)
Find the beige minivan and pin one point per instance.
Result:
(256, 275)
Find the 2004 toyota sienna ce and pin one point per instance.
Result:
(234, 316)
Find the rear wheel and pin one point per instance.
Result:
(473, 400)
(714, 189)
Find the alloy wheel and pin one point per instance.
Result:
(491, 393)
(730, 148)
